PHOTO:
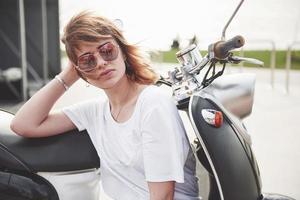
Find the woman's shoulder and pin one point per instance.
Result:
(154, 95)
(86, 105)
(90, 102)
(154, 92)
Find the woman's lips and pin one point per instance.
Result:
(106, 73)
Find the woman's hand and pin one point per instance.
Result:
(161, 190)
(69, 74)
(34, 118)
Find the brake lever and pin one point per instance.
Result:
(163, 80)
(237, 60)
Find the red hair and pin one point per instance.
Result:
(86, 27)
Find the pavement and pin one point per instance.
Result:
(273, 126)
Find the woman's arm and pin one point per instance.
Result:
(161, 190)
(34, 120)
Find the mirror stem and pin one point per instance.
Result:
(232, 16)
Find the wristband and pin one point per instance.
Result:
(62, 82)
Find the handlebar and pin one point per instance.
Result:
(192, 64)
(222, 48)
(188, 78)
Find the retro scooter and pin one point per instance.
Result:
(215, 105)
(66, 166)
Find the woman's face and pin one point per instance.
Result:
(101, 63)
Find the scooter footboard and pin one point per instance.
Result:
(83, 184)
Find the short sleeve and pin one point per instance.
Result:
(81, 114)
(165, 147)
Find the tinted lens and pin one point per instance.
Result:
(109, 51)
(87, 62)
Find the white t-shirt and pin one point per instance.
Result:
(150, 146)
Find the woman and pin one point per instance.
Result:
(137, 131)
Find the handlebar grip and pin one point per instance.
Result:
(222, 48)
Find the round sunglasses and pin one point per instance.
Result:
(88, 62)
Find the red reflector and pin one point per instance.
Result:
(218, 119)
(212, 117)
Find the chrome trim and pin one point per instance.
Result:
(23, 53)
(45, 41)
(64, 173)
(204, 148)
(189, 56)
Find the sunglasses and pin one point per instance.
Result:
(88, 62)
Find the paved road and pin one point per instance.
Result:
(275, 132)
(273, 126)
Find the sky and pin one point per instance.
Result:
(154, 24)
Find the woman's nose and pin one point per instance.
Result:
(100, 61)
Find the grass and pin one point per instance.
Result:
(263, 55)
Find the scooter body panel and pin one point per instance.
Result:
(82, 184)
(232, 169)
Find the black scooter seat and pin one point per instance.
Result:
(65, 152)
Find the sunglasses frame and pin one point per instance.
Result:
(116, 46)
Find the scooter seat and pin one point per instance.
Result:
(70, 151)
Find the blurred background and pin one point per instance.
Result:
(156, 23)
(31, 54)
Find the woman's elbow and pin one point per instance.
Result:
(20, 129)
